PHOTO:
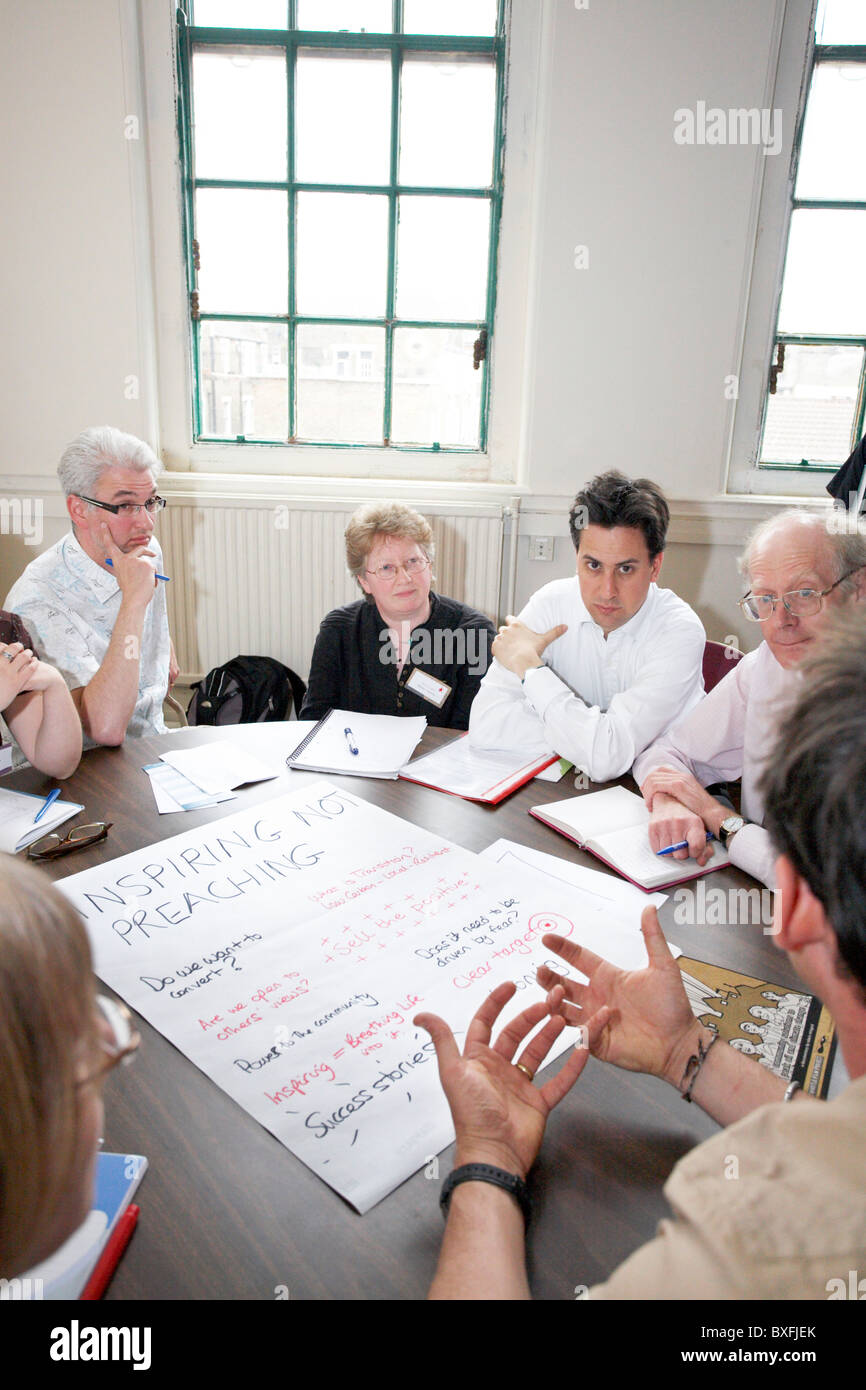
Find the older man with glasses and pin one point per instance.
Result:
(800, 570)
(95, 601)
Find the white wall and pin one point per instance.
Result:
(624, 362)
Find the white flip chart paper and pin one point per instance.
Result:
(286, 948)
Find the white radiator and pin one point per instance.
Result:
(258, 579)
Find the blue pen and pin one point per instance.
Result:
(49, 801)
(349, 739)
(682, 844)
(166, 578)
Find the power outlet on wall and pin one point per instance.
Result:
(541, 548)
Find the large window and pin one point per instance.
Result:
(814, 411)
(342, 174)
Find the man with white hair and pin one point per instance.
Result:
(93, 601)
(800, 572)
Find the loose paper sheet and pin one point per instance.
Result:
(286, 948)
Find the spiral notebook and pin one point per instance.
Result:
(358, 745)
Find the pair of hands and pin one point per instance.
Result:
(640, 1020)
(22, 672)
(681, 809)
(518, 648)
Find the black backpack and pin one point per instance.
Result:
(247, 690)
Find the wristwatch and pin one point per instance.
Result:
(728, 829)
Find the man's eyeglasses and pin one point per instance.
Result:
(118, 1038)
(152, 505)
(55, 846)
(414, 566)
(802, 603)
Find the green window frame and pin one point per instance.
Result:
(192, 38)
(782, 341)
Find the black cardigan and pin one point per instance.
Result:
(353, 666)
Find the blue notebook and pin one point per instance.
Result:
(65, 1273)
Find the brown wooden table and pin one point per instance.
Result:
(229, 1213)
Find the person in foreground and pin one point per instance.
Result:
(92, 601)
(57, 1043)
(597, 667)
(402, 649)
(800, 573)
(794, 1220)
(35, 705)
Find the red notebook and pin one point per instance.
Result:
(612, 825)
(474, 775)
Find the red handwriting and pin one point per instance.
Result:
(299, 1085)
(232, 1028)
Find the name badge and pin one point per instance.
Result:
(5, 758)
(428, 687)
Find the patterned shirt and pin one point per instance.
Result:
(70, 604)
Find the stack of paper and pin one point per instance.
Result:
(190, 778)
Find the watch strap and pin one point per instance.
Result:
(485, 1172)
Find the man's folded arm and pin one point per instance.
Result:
(543, 713)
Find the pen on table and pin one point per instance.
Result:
(166, 578)
(350, 737)
(110, 1257)
(49, 801)
(681, 844)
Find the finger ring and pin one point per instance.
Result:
(8, 656)
(530, 1075)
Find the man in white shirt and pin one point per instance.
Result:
(596, 667)
(800, 571)
(93, 602)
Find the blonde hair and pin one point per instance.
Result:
(46, 1018)
(376, 519)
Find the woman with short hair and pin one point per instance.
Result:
(401, 649)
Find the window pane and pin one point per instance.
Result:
(811, 416)
(442, 253)
(244, 380)
(244, 251)
(343, 122)
(824, 289)
(841, 21)
(240, 115)
(341, 383)
(831, 157)
(242, 14)
(342, 255)
(449, 16)
(455, 148)
(437, 391)
(356, 16)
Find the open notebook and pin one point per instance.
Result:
(18, 825)
(612, 825)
